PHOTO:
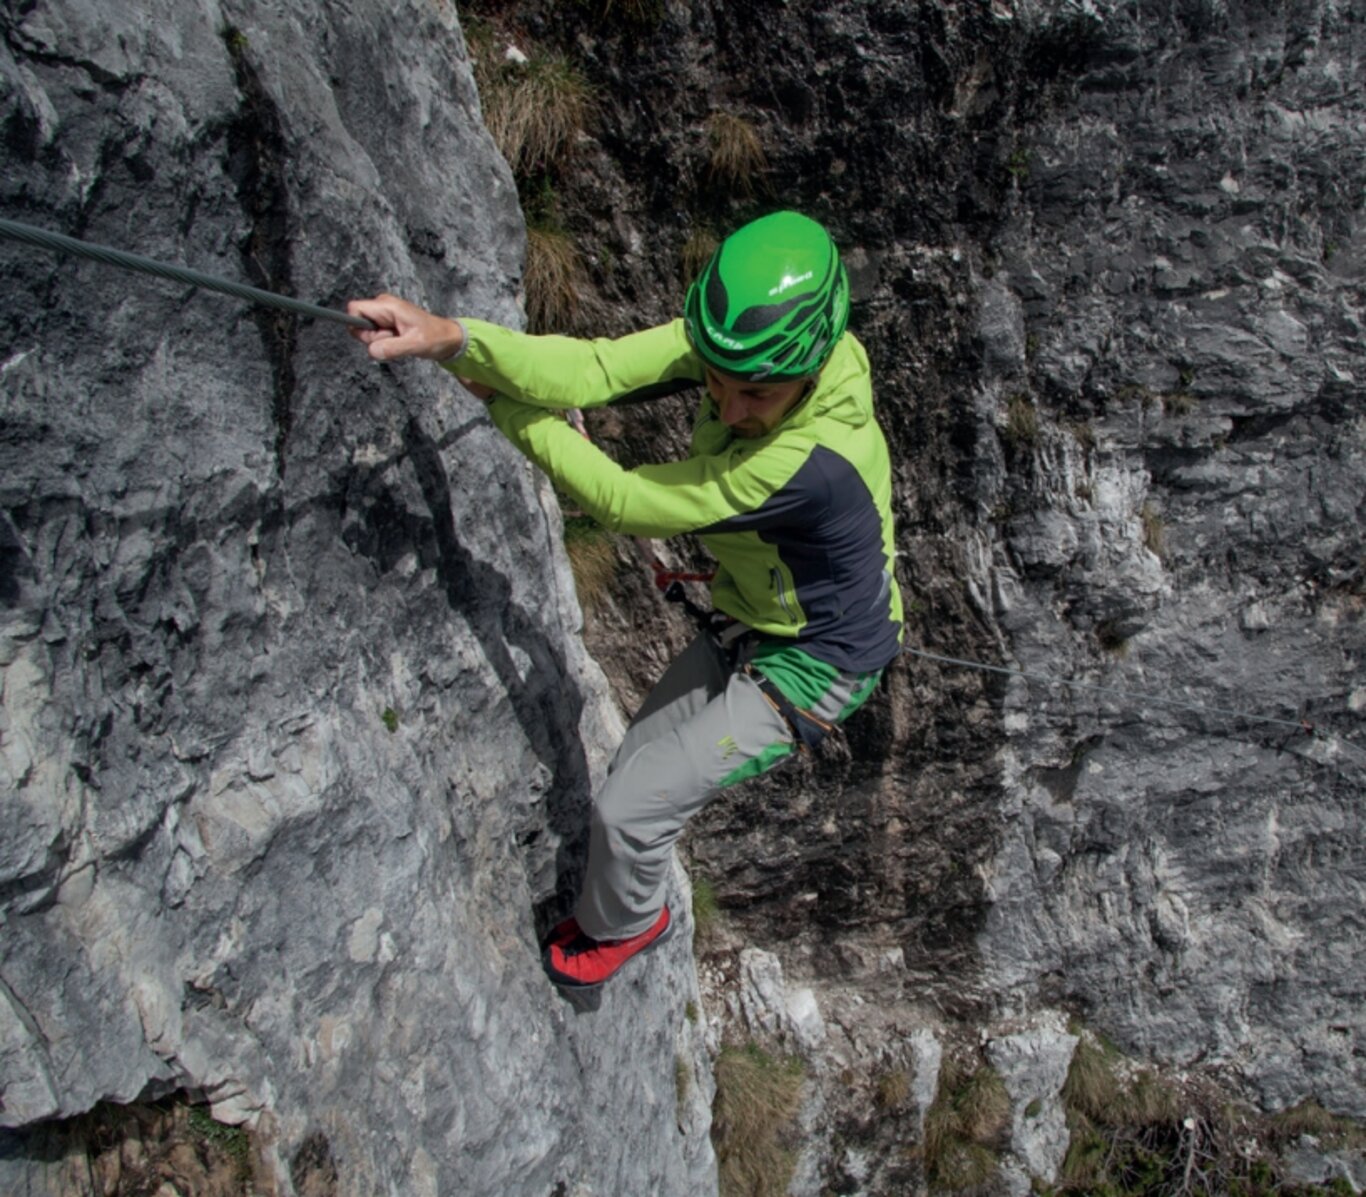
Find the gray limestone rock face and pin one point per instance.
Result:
(1186, 248)
(297, 737)
(1032, 1063)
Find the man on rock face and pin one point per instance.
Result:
(788, 484)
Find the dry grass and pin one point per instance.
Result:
(1310, 1118)
(1092, 1088)
(757, 1098)
(1022, 421)
(893, 1088)
(536, 110)
(737, 159)
(682, 1080)
(1084, 434)
(964, 1126)
(554, 280)
(696, 253)
(1154, 529)
(1135, 1132)
(592, 559)
(629, 12)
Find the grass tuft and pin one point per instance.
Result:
(631, 13)
(554, 280)
(592, 559)
(682, 1079)
(1022, 421)
(1134, 1131)
(535, 110)
(697, 252)
(964, 1126)
(706, 912)
(1178, 403)
(1084, 434)
(1092, 1087)
(893, 1088)
(1154, 529)
(1310, 1118)
(757, 1099)
(737, 159)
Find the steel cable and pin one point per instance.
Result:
(1298, 725)
(60, 243)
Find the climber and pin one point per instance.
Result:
(788, 484)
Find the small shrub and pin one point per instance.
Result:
(232, 1141)
(757, 1099)
(682, 1079)
(592, 559)
(690, 1012)
(737, 155)
(1178, 403)
(1017, 165)
(554, 280)
(389, 718)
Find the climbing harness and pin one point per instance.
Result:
(807, 730)
(59, 243)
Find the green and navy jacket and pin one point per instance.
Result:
(799, 520)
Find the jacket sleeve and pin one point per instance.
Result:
(563, 372)
(651, 500)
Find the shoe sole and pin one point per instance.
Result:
(581, 986)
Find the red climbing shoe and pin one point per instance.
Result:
(562, 932)
(578, 961)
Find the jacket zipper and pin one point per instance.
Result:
(782, 594)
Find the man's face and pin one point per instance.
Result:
(753, 409)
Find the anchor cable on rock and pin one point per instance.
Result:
(1298, 725)
(60, 243)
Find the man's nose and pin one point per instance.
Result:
(733, 408)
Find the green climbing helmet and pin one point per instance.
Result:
(772, 302)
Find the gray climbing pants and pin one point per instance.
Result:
(706, 725)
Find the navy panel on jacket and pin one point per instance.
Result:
(826, 529)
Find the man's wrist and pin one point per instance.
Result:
(453, 348)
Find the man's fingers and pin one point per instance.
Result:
(384, 310)
(403, 329)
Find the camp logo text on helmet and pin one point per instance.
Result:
(773, 301)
